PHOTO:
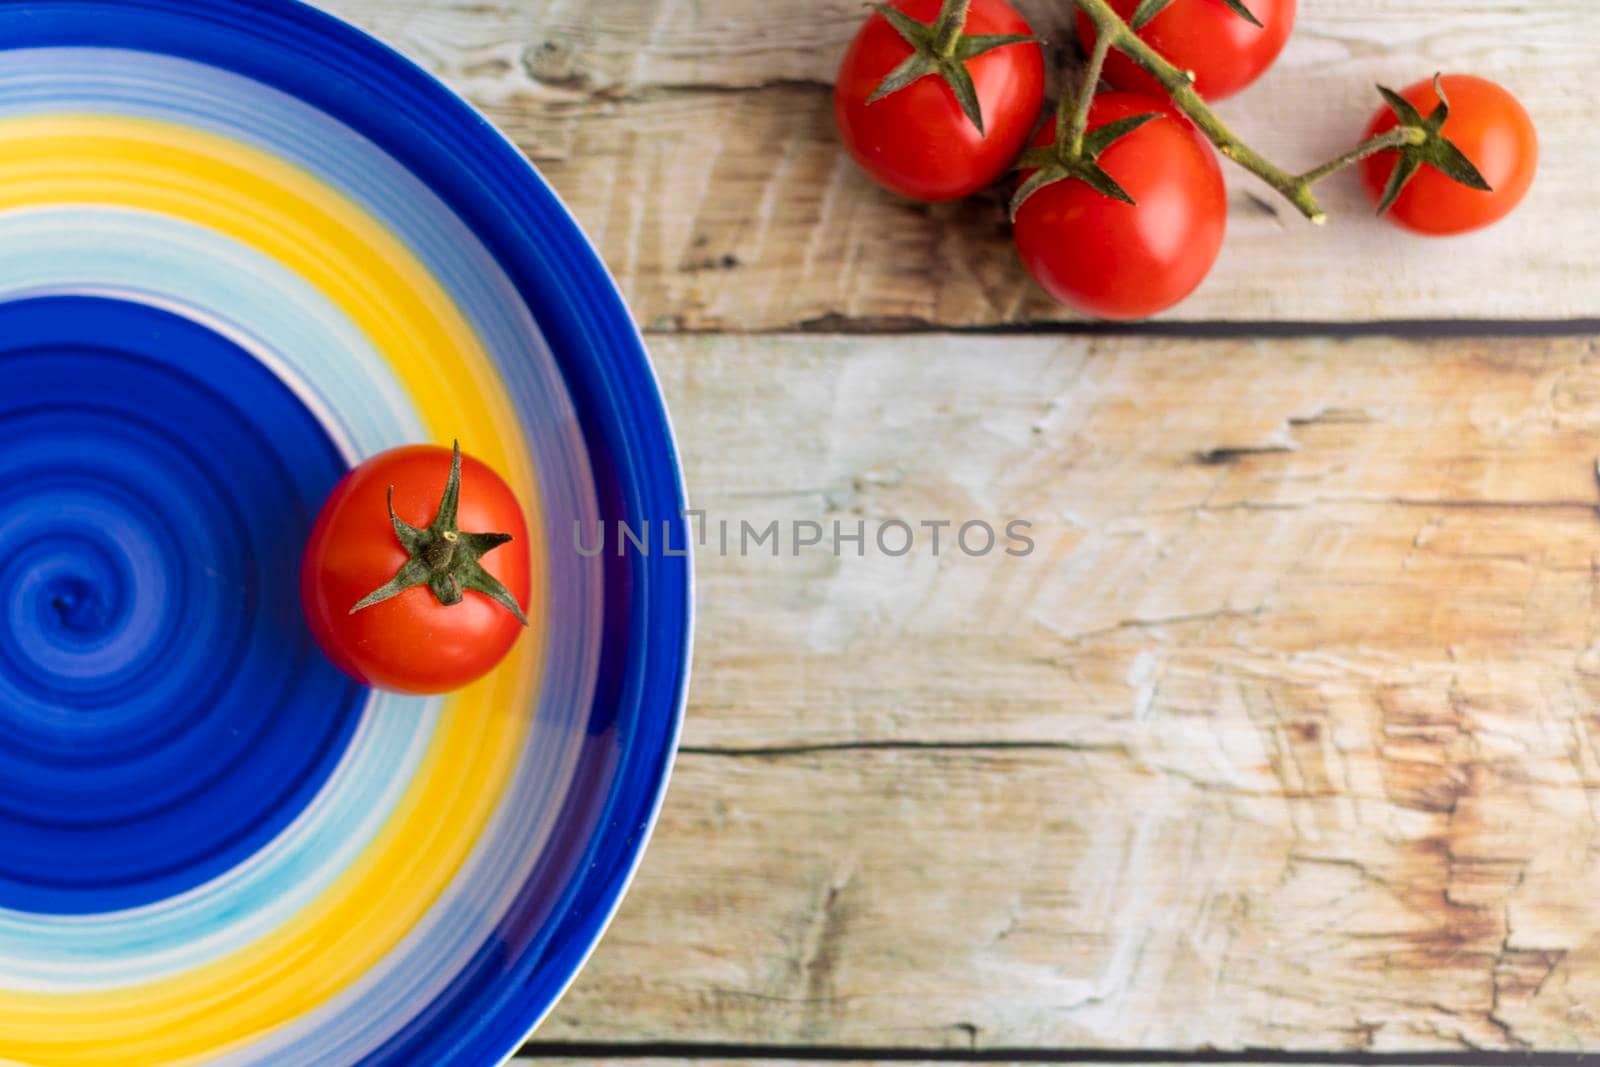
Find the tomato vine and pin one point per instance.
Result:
(1419, 140)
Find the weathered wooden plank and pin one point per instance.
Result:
(1295, 498)
(1285, 736)
(695, 143)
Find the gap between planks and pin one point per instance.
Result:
(1199, 329)
(689, 1054)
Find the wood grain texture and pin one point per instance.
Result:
(694, 140)
(1285, 736)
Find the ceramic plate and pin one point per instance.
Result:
(245, 246)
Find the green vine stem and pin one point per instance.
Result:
(1398, 137)
(1091, 81)
(952, 23)
(1112, 32)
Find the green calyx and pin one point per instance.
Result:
(442, 557)
(1149, 9)
(941, 48)
(1064, 160)
(1429, 146)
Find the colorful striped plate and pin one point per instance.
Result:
(245, 246)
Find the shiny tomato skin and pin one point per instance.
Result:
(1120, 261)
(1224, 52)
(1491, 128)
(410, 643)
(917, 142)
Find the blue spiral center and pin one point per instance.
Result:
(163, 712)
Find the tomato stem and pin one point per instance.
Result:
(442, 557)
(951, 25)
(1399, 137)
(1060, 160)
(1091, 82)
(943, 48)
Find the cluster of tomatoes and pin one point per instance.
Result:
(938, 101)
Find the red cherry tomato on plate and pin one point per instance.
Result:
(1490, 128)
(1223, 50)
(1122, 261)
(410, 640)
(917, 141)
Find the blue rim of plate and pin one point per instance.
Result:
(637, 713)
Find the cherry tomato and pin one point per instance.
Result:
(1122, 261)
(410, 641)
(917, 141)
(1223, 50)
(1491, 129)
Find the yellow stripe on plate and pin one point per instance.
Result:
(331, 242)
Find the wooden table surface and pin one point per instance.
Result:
(1286, 735)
